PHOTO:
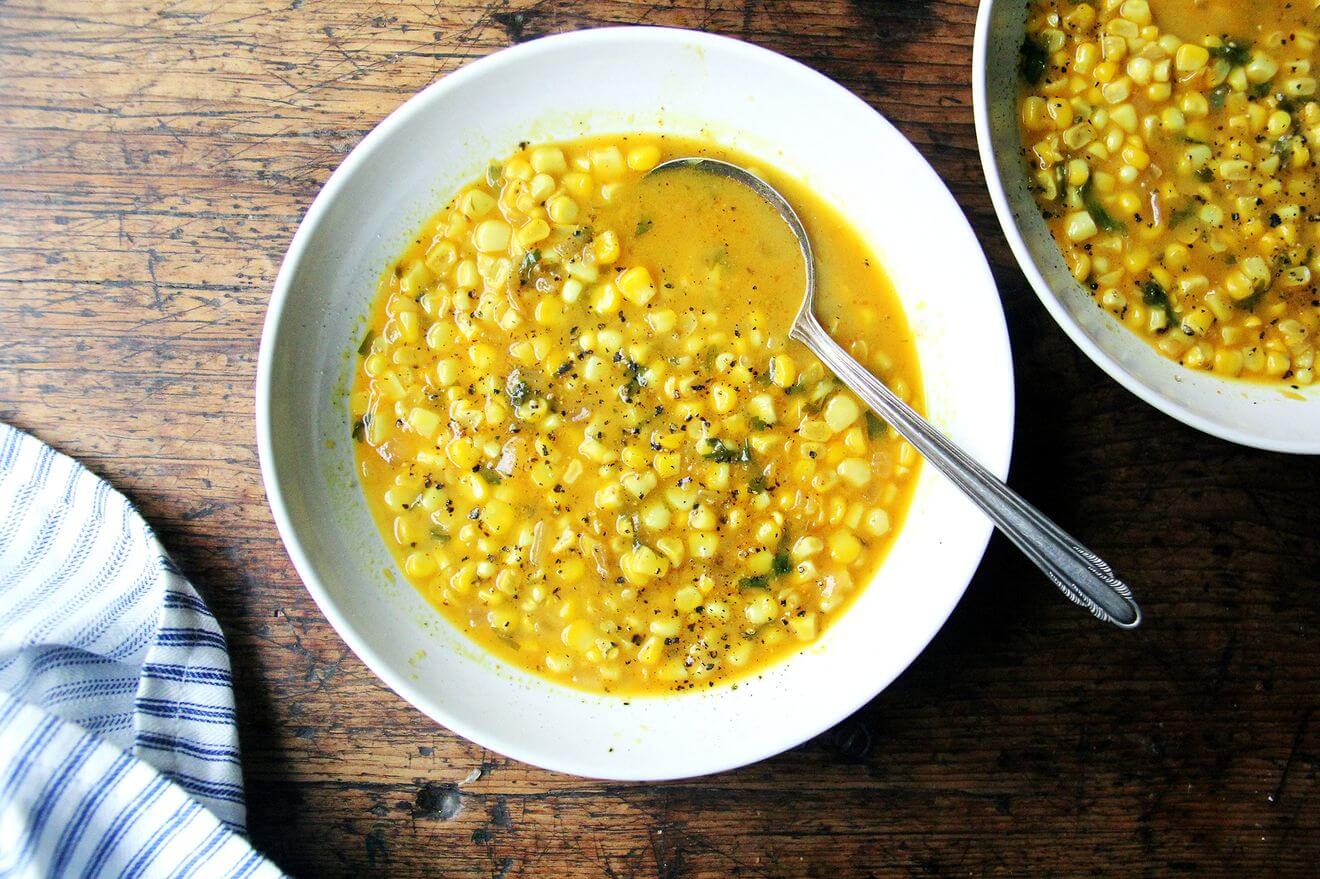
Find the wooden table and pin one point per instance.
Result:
(156, 160)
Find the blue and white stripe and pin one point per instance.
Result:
(118, 744)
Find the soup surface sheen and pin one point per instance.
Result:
(587, 438)
(1173, 146)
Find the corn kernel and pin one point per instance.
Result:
(1191, 57)
(636, 286)
(855, 471)
(605, 247)
(607, 162)
(533, 231)
(687, 599)
(703, 544)
(644, 158)
(491, 236)
(840, 412)
(562, 209)
(845, 548)
(723, 398)
(1080, 226)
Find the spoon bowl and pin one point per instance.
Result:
(1081, 575)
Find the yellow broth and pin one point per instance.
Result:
(587, 439)
(1244, 19)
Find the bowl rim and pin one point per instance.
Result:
(1052, 302)
(996, 340)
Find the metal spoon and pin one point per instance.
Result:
(1079, 573)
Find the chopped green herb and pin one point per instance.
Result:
(1060, 180)
(722, 453)
(1218, 95)
(1152, 293)
(1155, 296)
(796, 388)
(1205, 175)
(760, 581)
(366, 342)
(1102, 217)
(875, 425)
(1250, 303)
(489, 474)
(518, 390)
(528, 265)
(782, 563)
(757, 484)
(643, 226)
(758, 423)
(635, 382)
(1235, 52)
(1182, 215)
(1292, 105)
(1283, 148)
(1035, 61)
(439, 534)
(360, 429)
(1259, 90)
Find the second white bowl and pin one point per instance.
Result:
(1264, 416)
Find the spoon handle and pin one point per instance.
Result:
(1079, 573)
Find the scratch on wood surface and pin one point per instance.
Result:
(1298, 738)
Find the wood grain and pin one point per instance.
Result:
(156, 159)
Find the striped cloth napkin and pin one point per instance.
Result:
(118, 743)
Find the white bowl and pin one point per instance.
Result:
(1267, 417)
(594, 82)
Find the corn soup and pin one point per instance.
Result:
(587, 438)
(1172, 145)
